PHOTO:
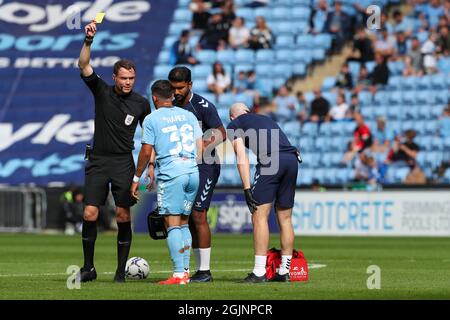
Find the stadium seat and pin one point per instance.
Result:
(395, 98)
(284, 41)
(381, 97)
(161, 71)
(365, 98)
(246, 13)
(164, 57)
(439, 81)
(283, 55)
(319, 54)
(310, 159)
(201, 71)
(264, 12)
(411, 113)
(244, 56)
(264, 70)
(309, 129)
(322, 144)
(306, 144)
(304, 56)
(283, 70)
(395, 112)
(207, 56)
(409, 97)
(300, 13)
(328, 83)
(182, 15)
(299, 69)
(325, 129)
(243, 67)
(424, 82)
(305, 41)
(169, 41)
(225, 56)
(322, 41)
(408, 83)
(293, 127)
(305, 176)
(265, 56)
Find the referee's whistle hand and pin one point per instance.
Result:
(90, 29)
(134, 190)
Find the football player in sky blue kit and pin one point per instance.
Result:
(209, 169)
(275, 180)
(172, 136)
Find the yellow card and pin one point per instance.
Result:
(99, 17)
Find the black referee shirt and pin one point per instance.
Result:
(116, 116)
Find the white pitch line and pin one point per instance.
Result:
(310, 266)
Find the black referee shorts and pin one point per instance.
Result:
(102, 170)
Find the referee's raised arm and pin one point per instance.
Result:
(85, 54)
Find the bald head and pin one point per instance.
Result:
(238, 109)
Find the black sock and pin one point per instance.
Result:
(123, 244)
(88, 237)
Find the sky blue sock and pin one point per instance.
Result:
(187, 240)
(175, 245)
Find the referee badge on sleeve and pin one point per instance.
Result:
(129, 120)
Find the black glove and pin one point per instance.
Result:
(251, 202)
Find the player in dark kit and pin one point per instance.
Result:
(117, 112)
(209, 169)
(275, 180)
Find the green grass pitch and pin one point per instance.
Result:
(34, 267)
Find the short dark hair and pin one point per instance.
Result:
(185, 33)
(127, 64)
(180, 74)
(162, 89)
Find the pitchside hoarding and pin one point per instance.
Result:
(398, 213)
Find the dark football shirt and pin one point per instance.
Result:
(116, 117)
(266, 142)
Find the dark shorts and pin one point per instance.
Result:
(209, 174)
(280, 186)
(103, 170)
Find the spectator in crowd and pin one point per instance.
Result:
(253, 88)
(363, 80)
(362, 137)
(218, 81)
(303, 105)
(215, 36)
(402, 24)
(366, 169)
(443, 42)
(339, 25)
(285, 105)
(319, 107)
(181, 52)
(415, 55)
(416, 176)
(73, 210)
(404, 149)
(240, 85)
(380, 74)
(401, 46)
(444, 123)
(349, 154)
(319, 17)
(261, 36)
(429, 54)
(382, 138)
(409, 69)
(340, 111)
(434, 11)
(239, 35)
(386, 44)
(423, 24)
(200, 14)
(362, 46)
(228, 14)
(344, 79)
(443, 22)
(355, 106)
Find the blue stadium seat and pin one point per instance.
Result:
(199, 85)
(281, 13)
(436, 110)
(337, 128)
(182, 15)
(300, 13)
(283, 70)
(299, 69)
(304, 56)
(354, 67)
(325, 129)
(284, 41)
(325, 160)
(394, 82)
(305, 41)
(408, 83)
(265, 86)
(264, 70)
(330, 96)
(368, 113)
(169, 41)
(305, 176)
(242, 67)
(395, 97)
(283, 55)
(225, 56)
(322, 144)
(207, 56)
(282, 28)
(293, 127)
(319, 54)
(246, 13)
(309, 129)
(394, 112)
(306, 144)
(300, 26)
(412, 113)
(265, 56)
(328, 83)
(439, 81)
(409, 97)
(341, 176)
(201, 71)
(263, 12)
(381, 97)
(244, 56)
(441, 96)
(365, 98)
(183, 3)
(336, 158)
(431, 126)
(349, 127)
(424, 82)
(161, 71)
(164, 57)
(175, 28)
(323, 41)
(278, 82)
(310, 159)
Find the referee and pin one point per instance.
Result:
(117, 112)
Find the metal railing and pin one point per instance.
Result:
(22, 209)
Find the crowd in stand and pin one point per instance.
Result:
(418, 40)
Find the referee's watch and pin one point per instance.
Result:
(136, 179)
